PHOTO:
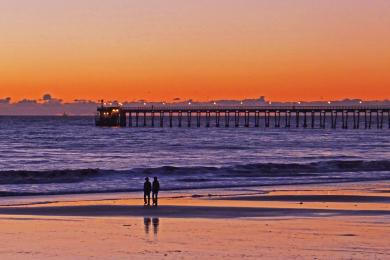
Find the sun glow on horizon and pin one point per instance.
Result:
(200, 50)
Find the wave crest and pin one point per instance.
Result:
(202, 173)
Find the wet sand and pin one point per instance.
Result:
(344, 221)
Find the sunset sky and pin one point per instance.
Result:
(163, 49)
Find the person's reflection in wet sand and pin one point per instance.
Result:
(148, 222)
(156, 222)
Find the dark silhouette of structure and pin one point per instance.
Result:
(155, 190)
(299, 115)
(147, 190)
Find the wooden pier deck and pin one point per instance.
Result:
(245, 116)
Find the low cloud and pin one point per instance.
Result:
(49, 105)
(5, 100)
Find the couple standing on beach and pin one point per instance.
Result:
(151, 188)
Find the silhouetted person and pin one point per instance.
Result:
(147, 190)
(155, 190)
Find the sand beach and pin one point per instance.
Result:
(332, 221)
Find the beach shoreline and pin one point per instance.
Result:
(303, 222)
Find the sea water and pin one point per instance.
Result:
(58, 155)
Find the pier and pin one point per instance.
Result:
(345, 117)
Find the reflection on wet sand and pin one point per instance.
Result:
(148, 222)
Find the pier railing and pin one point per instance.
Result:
(247, 107)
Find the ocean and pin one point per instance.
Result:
(65, 155)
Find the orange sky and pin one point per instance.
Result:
(159, 50)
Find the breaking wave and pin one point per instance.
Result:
(199, 173)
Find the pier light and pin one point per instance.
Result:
(144, 104)
(189, 103)
(299, 102)
(329, 102)
(360, 102)
(120, 104)
(270, 103)
(215, 103)
(241, 103)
